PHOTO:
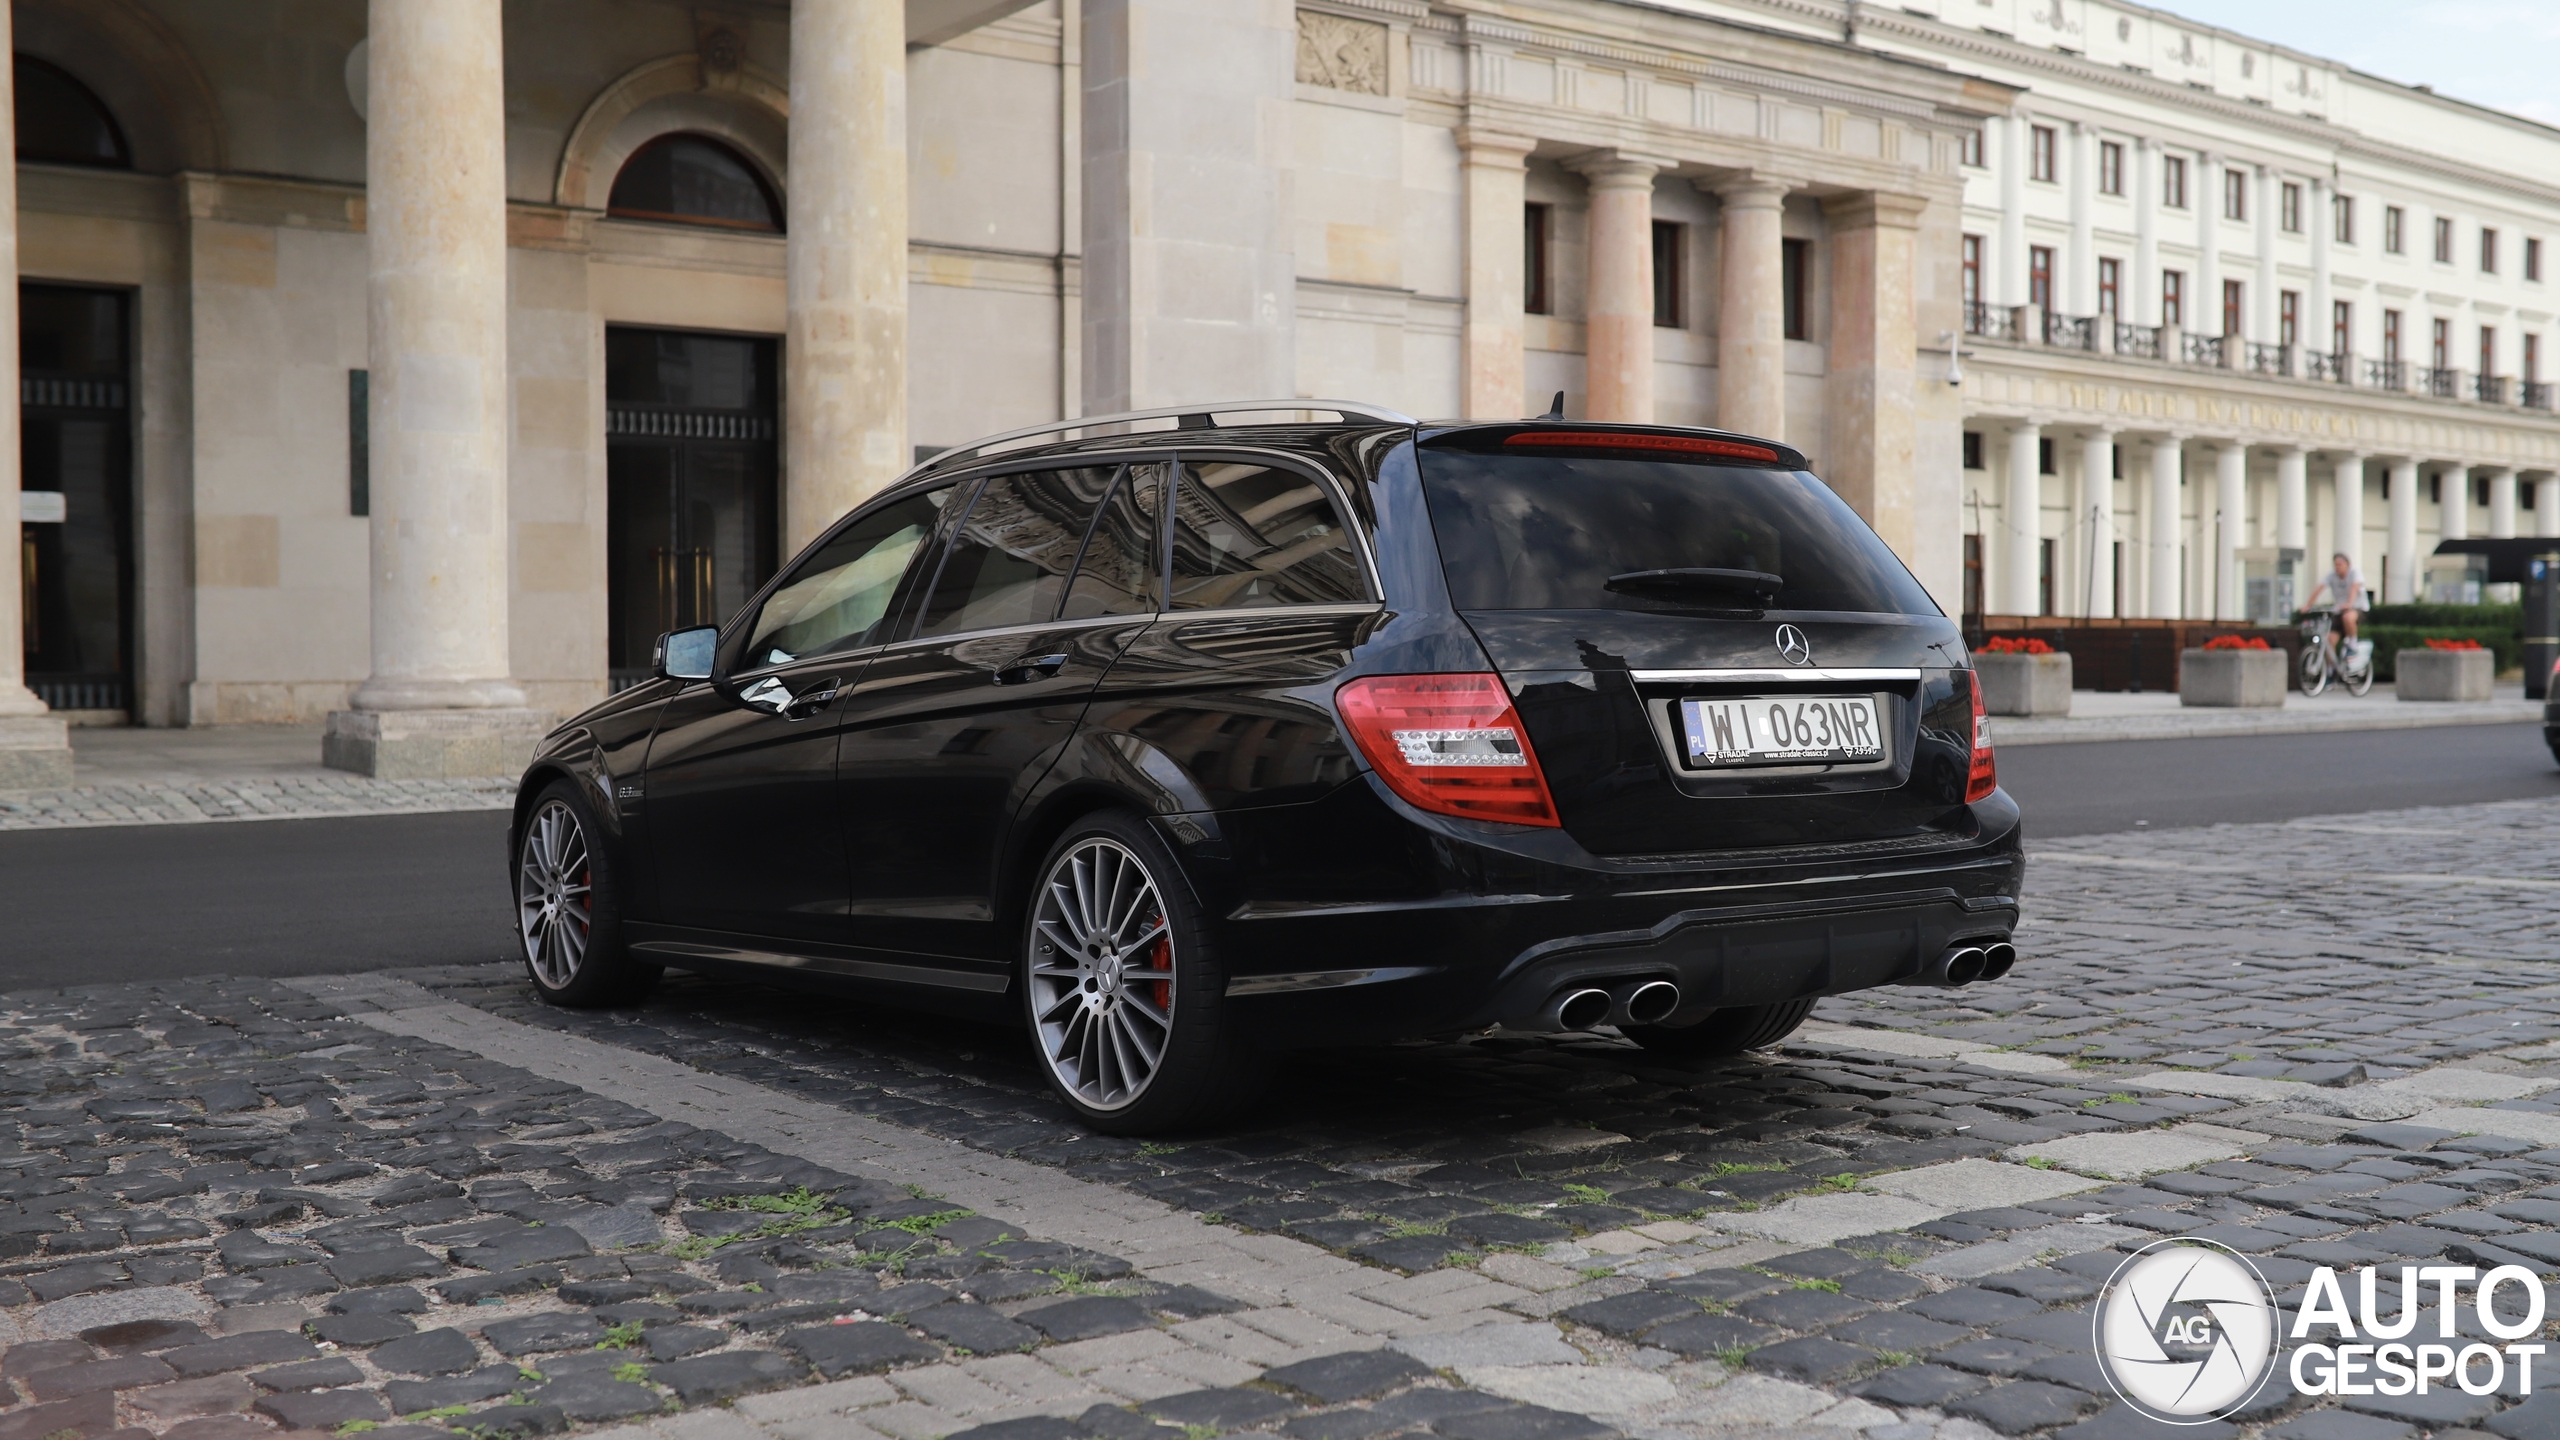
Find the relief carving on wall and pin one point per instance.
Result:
(1342, 54)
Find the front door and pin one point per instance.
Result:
(76, 512)
(690, 480)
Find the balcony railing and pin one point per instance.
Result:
(2071, 332)
(2338, 369)
(2441, 383)
(2139, 341)
(2489, 389)
(1991, 322)
(2206, 350)
(2537, 395)
(2270, 359)
(2387, 374)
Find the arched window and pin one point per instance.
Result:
(694, 181)
(60, 122)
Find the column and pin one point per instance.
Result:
(2502, 503)
(2317, 332)
(2292, 498)
(2204, 307)
(1190, 268)
(845, 261)
(2160, 536)
(1751, 321)
(2546, 506)
(2021, 523)
(2265, 325)
(2453, 509)
(2346, 501)
(436, 252)
(1495, 172)
(2231, 511)
(2079, 294)
(1618, 312)
(2401, 585)
(2013, 211)
(1871, 389)
(2098, 500)
(35, 747)
(2144, 303)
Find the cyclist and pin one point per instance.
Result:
(2344, 584)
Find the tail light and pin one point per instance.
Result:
(1449, 744)
(1985, 777)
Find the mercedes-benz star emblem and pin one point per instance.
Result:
(1792, 644)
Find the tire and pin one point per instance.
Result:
(2360, 682)
(1724, 1032)
(1122, 988)
(569, 907)
(2315, 672)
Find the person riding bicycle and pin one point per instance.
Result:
(2344, 585)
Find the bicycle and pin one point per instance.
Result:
(2323, 660)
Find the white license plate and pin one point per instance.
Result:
(1782, 730)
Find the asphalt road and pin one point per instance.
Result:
(299, 897)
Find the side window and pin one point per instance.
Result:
(1011, 553)
(1117, 575)
(1247, 534)
(839, 598)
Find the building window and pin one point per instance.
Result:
(2289, 317)
(1973, 449)
(2173, 297)
(2442, 349)
(2532, 359)
(2289, 213)
(2444, 240)
(1668, 293)
(61, 122)
(2391, 337)
(2232, 296)
(2532, 258)
(2342, 218)
(1972, 273)
(2488, 251)
(2040, 276)
(2040, 148)
(1969, 148)
(2395, 222)
(2044, 456)
(2044, 574)
(2235, 195)
(2110, 168)
(2488, 350)
(1794, 267)
(694, 180)
(2110, 286)
(2173, 181)
(1536, 295)
(2342, 327)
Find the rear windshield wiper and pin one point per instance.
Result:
(1749, 582)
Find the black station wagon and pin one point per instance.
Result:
(1189, 737)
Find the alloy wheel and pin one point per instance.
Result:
(555, 896)
(1102, 985)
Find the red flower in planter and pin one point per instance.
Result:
(2015, 645)
(2435, 644)
(2236, 642)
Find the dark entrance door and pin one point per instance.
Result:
(690, 474)
(76, 535)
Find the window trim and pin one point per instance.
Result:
(2111, 167)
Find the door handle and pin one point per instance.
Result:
(1030, 668)
(812, 701)
(768, 694)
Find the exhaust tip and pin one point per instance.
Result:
(1580, 1009)
(1998, 958)
(1652, 1002)
(1961, 967)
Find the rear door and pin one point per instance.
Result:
(1709, 654)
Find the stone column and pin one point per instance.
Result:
(845, 262)
(2231, 513)
(2204, 305)
(2323, 219)
(2078, 294)
(1870, 392)
(2502, 503)
(1618, 310)
(1751, 320)
(2453, 508)
(439, 701)
(35, 747)
(2013, 211)
(1494, 169)
(2346, 507)
(1190, 268)
(2401, 585)
(2098, 498)
(2021, 522)
(2164, 599)
(2292, 497)
(2546, 506)
(2145, 300)
(2266, 322)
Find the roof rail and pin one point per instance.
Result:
(1185, 417)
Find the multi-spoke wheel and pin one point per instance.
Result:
(567, 915)
(1121, 986)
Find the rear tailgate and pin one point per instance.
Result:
(1777, 753)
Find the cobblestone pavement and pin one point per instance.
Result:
(2328, 1042)
(177, 802)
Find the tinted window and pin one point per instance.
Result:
(1010, 556)
(839, 598)
(1246, 534)
(694, 180)
(1117, 575)
(1521, 532)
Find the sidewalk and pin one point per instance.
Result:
(2157, 715)
(127, 776)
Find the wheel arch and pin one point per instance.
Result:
(1052, 815)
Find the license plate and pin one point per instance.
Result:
(1782, 730)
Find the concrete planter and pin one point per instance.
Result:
(2232, 679)
(2024, 684)
(2445, 674)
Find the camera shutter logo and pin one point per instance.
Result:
(2186, 1331)
(1793, 647)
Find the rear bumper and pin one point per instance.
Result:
(1482, 935)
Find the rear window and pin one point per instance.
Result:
(1533, 532)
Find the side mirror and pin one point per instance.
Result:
(687, 654)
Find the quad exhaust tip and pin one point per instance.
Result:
(1963, 964)
(1643, 1002)
(1998, 958)
(1578, 1009)
(1624, 1002)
